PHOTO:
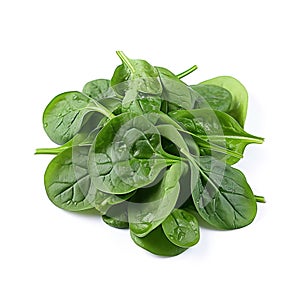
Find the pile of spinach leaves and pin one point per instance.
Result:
(152, 154)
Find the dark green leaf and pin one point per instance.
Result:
(137, 74)
(181, 228)
(126, 155)
(176, 93)
(157, 243)
(117, 216)
(64, 115)
(67, 181)
(216, 131)
(84, 137)
(213, 96)
(98, 89)
(103, 201)
(149, 104)
(222, 195)
(239, 103)
(152, 205)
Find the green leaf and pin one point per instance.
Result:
(126, 155)
(68, 184)
(239, 103)
(98, 89)
(153, 204)
(222, 195)
(213, 96)
(157, 243)
(64, 115)
(216, 131)
(104, 201)
(117, 216)
(136, 74)
(84, 137)
(140, 104)
(176, 93)
(101, 91)
(148, 104)
(181, 228)
(67, 181)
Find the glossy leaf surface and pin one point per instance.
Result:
(239, 104)
(126, 155)
(157, 243)
(155, 203)
(222, 195)
(213, 130)
(181, 228)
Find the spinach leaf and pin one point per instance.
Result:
(117, 216)
(239, 103)
(157, 243)
(189, 206)
(181, 143)
(104, 201)
(149, 104)
(181, 228)
(68, 184)
(64, 115)
(213, 130)
(67, 181)
(99, 89)
(141, 104)
(176, 93)
(135, 74)
(213, 96)
(152, 154)
(221, 194)
(127, 155)
(84, 137)
(153, 204)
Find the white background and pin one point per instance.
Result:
(48, 47)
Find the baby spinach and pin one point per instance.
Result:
(117, 216)
(239, 103)
(218, 129)
(215, 96)
(175, 92)
(221, 194)
(153, 204)
(64, 115)
(157, 243)
(135, 74)
(98, 89)
(181, 228)
(152, 154)
(67, 181)
(126, 155)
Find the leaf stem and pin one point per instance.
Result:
(251, 138)
(260, 199)
(196, 164)
(101, 109)
(187, 72)
(212, 146)
(126, 61)
(53, 151)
